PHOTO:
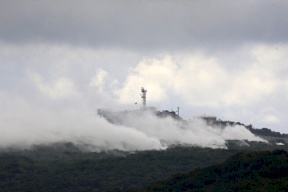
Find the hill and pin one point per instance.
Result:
(255, 171)
(52, 169)
(265, 133)
(63, 167)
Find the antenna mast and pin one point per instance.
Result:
(143, 96)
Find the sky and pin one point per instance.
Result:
(64, 58)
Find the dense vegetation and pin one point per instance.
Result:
(255, 171)
(259, 132)
(78, 171)
(66, 168)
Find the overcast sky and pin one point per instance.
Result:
(222, 58)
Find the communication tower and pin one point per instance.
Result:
(143, 96)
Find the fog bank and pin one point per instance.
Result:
(32, 125)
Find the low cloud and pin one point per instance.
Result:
(24, 125)
(196, 132)
(27, 125)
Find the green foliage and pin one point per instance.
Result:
(63, 170)
(256, 171)
(66, 168)
(266, 132)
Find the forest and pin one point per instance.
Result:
(254, 171)
(64, 167)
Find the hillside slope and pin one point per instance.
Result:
(65, 168)
(57, 170)
(255, 171)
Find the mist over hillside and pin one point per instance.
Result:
(144, 131)
(80, 151)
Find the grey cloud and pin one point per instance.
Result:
(144, 24)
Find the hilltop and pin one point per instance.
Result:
(71, 167)
(265, 133)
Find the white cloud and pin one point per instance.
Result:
(202, 80)
(193, 77)
(57, 89)
(24, 124)
(249, 86)
(99, 79)
(156, 75)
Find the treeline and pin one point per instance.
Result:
(255, 171)
(256, 131)
(64, 167)
(78, 171)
